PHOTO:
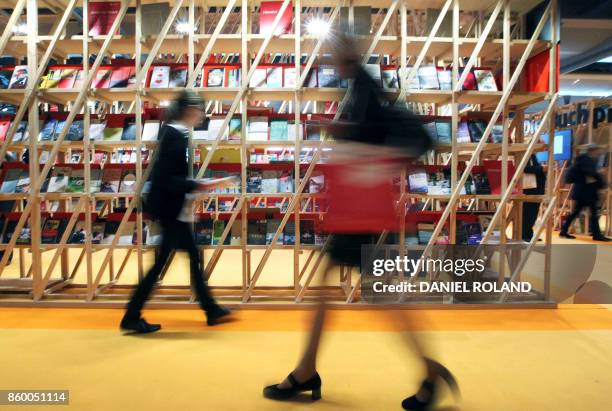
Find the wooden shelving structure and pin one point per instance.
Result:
(492, 38)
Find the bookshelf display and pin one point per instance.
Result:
(89, 128)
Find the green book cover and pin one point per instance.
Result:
(279, 129)
(112, 134)
(218, 227)
(76, 182)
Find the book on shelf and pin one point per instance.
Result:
(200, 132)
(52, 230)
(110, 230)
(311, 79)
(417, 182)
(76, 182)
(258, 79)
(95, 181)
(438, 182)
(445, 78)
(254, 181)
(67, 78)
(327, 76)
(23, 184)
(485, 80)
(203, 232)
(47, 131)
(307, 232)
(96, 130)
(59, 179)
(102, 78)
(97, 232)
(414, 82)
(178, 77)
(316, 183)
(289, 233)
(129, 129)
(463, 132)
(493, 170)
(25, 236)
(79, 234)
(160, 77)
(268, 11)
(497, 134)
(285, 182)
(22, 133)
(235, 234)
(274, 77)
(214, 128)
(470, 80)
(217, 231)
(279, 129)
(4, 128)
(119, 77)
(428, 77)
(481, 182)
(111, 177)
(269, 181)
(101, 16)
(293, 132)
(215, 76)
(59, 127)
(128, 181)
(289, 79)
(19, 79)
(112, 133)
(75, 157)
(234, 78)
(5, 78)
(390, 79)
(443, 131)
(75, 131)
(256, 232)
(373, 71)
(476, 129)
(150, 131)
(257, 128)
(271, 228)
(235, 129)
(11, 177)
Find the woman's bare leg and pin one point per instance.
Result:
(306, 367)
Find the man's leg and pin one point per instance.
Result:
(144, 288)
(568, 222)
(594, 223)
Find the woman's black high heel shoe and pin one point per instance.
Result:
(429, 389)
(273, 392)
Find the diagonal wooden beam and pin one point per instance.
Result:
(518, 173)
(35, 189)
(7, 33)
(243, 89)
(211, 43)
(158, 42)
(31, 91)
(536, 234)
(226, 231)
(434, 30)
(479, 44)
(476, 154)
(63, 241)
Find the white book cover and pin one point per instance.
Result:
(150, 130)
(258, 124)
(485, 80)
(19, 79)
(414, 83)
(258, 79)
(269, 181)
(213, 129)
(59, 180)
(445, 79)
(428, 78)
(389, 77)
(160, 77)
(274, 77)
(289, 77)
(200, 134)
(96, 131)
(374, 71)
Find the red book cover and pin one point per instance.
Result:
(493, 169)
(268, 12)
(4, 127)
(102, 78)
(101, 16)
(120, 76)
(470, 81)
(68, 78)
(537, 71)
(79, 79)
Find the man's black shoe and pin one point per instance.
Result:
(140, 326)
(566, 235)
(215, 314)
(601, 238)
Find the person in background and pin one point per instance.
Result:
(363, 137)
(586, 182)
(165, 201)
(531, 209)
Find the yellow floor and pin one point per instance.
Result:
(504, 359)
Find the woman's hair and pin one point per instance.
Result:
(186, 99)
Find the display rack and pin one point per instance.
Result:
(480, 33)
